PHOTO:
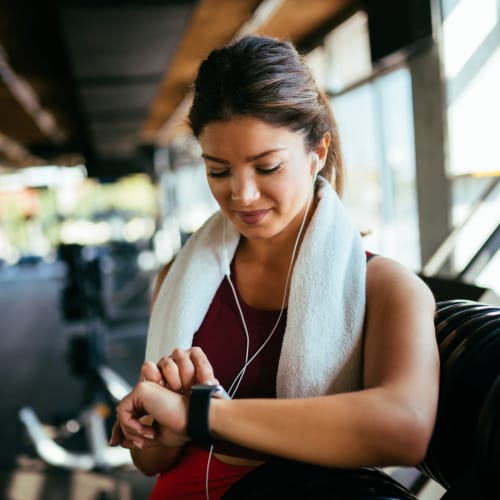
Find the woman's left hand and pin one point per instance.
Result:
(167, 408)
(181, 369)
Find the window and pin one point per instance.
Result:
(376, 129)
(472, 68)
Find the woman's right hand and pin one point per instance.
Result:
(167, 408)
(181, 370)
(177, 373)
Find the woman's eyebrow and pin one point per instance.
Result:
(214, 159)
(248, 158)
(264, 153)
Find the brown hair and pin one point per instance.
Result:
(266, 78)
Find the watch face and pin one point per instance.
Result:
(216, 391)
(221, 393)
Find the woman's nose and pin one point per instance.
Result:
(244, 190)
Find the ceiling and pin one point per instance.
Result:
(104, 81)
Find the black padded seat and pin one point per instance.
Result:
(285, 479)
(463, 455)
(464, 452)
(457, 316)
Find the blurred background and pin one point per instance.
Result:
(101, 184)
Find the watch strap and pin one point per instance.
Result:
(198, 409)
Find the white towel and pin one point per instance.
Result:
(322, 345)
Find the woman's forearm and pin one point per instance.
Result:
(347, 430)
(152, 461)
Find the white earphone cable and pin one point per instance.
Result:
(207, 472)
(289, 273)
(239, 377)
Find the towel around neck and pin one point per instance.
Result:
(322, 345)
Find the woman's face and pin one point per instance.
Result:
(260, 175)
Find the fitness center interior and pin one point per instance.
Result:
(101, 184)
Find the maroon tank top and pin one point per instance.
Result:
(222, 338)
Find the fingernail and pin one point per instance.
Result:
(147, 435)
(137, 444)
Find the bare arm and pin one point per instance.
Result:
(162, 274)
(156, 459)
(152, 461)
(390, 421)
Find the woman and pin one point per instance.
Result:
(329, 360)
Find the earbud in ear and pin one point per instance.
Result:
(317, 168)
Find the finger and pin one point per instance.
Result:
(151, 372)
(203, 368)
(125, 443)
(132, 426)
(140, 436)
(185, 366)
(170, 373)
(116, 435)
(137, 444)
(129, 414)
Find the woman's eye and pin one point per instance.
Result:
(270, 170)
(218, 174)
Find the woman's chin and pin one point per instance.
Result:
(255, 231)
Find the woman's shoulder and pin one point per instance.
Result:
(388, 279)
(160, 278)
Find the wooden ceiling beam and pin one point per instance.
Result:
(214, 23)
(44, 108)
(28, 99)
(13, 154)
(297, 19)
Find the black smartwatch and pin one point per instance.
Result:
(199, 405)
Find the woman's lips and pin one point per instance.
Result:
(252, 216)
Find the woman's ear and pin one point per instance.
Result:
(322, 148)
(316, 165)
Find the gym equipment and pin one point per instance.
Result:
(82, 301)
(464, 452)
